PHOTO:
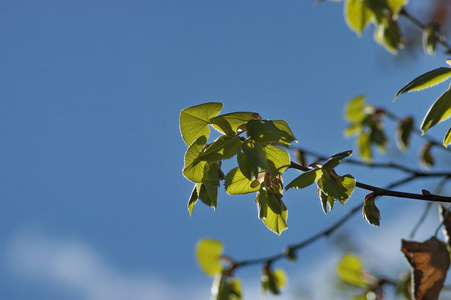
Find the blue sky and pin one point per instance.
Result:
(93, 202)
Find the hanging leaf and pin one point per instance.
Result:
(278, 159)
(267, 131)
(447, 139)
(208, 191)
(273, 281)
(272, 211)
(426, 157)
(403, 133)
(193, 199)
(194, 120)
(255, 153)
(364, 146)
(396, 5)
(247, 166)
(438, 112)
(229, 123)
(191, 170)
(236, 183)
(355, 109)
(426, 80)
(388, 33)
(350, 270)
(225, 287)
(430, 262)
(208, 255)
(326, 200)
(370, 212)
(357, 15)
(305, 179)
(340, 187)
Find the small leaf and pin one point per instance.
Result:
(396, 5)
(223, 147)
(229, 123)
(357, 15)
(286, 135)
(208, 191)
(194, 120)
(191, 170)
(225, 287)
(447, 139)
(388, 34)
(326, 200)
(430, 38)
(445, 218)
(305, 179)
(426, 157)
(370, 212)
(355, 109)
(438, 112)
(350, 270)
(426, 80)
(193, 199)
(267, 202)
(340, 187)
(403, 133)
(364, 146)
(237, 183)
(430, 262)
(208, 255)
(336, 159)
(273, 281)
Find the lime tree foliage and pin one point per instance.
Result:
(258, 152)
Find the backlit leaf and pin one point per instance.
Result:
(438, 112)
(336, 159)
(194, 120)
(426, 80)
(350, 270)
(430, 262)
(364, 146)
(193, 199)
(237, 183)
(340, 187)
(278, 159)
(396, 5)
(447, 139)
(208, 191)
(305, 179)
(208, 255)
(273, 281)
(223, 147)
(357, 15)
(325, 201)
(267, 131)
(229, 123)
(267, 202)
(256, 153)
(370, 211)
(247, 166)
(225, 287)
(403, 133)
(191, 170)
(355, 109)
(426, 157)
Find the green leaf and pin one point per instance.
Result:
(396, 5)
(340, 187)
(223, 147)
(426, 80)
(229, 123)
(353, 129)
(305, 179)
(225, 287)
(237, 183)
(208, 255)
(278, 159)
(430, 38)
(208, 190)
(370, 212)
(377, 136)
(357, 15)
(194, 120)
(364, 146)
(350, 270)
(247, 166)
(438, 112)
(355, 109)
(403, 133)
(388, 34)
(267, 131)
(336, 159)
(272, 211)
(273, 281)
(256, 153)
(191, 170)
(447, 139)
(326, 200)
(426, 157)
(193, 199)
